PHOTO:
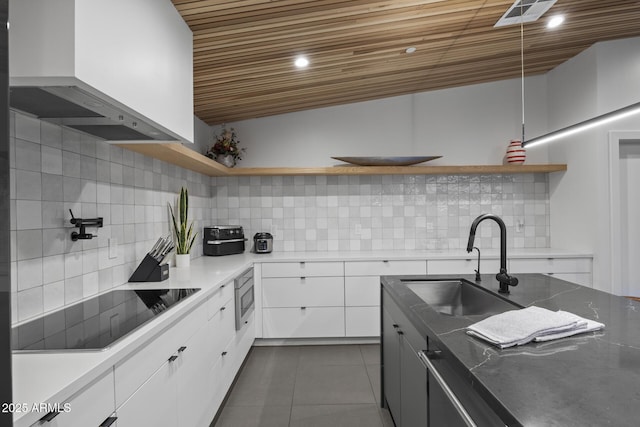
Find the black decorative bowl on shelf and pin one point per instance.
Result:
(386, 161)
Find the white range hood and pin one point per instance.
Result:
(118, 69)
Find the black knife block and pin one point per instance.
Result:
(150, 271)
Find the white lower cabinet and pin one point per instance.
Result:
(181, 377)
(89, 408)
(362, 292)
(576, 270)
(362, 321)
(154, 403)
(303, 322)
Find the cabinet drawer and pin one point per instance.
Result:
(302, 269)
(136, 369)
(362, 291)
(550, 265)
(221, 298)
(384, 268)
(90, 407)
(362, 321)
(299, 292)
(303, 323)
(222, 328)
(462, 266)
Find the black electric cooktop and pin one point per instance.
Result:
(96, 323)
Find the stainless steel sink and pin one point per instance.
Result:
(458, 297)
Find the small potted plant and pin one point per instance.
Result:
(183, 231)
(225, 149)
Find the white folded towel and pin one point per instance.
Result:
(517, 327)
(589, 326)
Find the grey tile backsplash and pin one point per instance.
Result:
(55, 169)
(401, 212)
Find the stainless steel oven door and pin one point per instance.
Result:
(244, 297)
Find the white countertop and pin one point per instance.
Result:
(54, 377)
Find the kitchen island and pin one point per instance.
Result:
(586, 380)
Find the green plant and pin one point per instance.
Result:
(184, 234)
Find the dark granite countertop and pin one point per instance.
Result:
(590, 379)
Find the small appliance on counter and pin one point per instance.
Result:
(223, 240)
(263, 243)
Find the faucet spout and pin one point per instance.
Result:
(503, 277)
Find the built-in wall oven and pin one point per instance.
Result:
(244, 297)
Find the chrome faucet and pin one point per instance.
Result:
(502, 277)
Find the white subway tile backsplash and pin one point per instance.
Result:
(53, 268)
(28, 244)
(30, 303)
(73, 290)
(51, 135)
(28, 185)
(28, 214)
(29, 273)
(27, 128)
(28, 156)
(53, 295)
(90, 284)
(51, 160)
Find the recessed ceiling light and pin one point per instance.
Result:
(301, 62)
(410, 50)
(555, 21)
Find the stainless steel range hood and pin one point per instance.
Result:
(75, 108)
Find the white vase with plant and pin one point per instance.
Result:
(183, 231)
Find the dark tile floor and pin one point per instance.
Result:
(308, 386)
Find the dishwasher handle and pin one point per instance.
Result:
(422, 355)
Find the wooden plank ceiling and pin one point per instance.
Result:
(244, 49)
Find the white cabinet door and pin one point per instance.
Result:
(550, 265)
(583, 279)
(384, 268)
(303, 323)
(362, 321)
(154, 403)
(303, 292)
(362, 291)
(194, 392)
(135, 370)
(89, 408)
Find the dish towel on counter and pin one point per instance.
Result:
(517, 327)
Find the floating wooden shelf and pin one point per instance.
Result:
(180, 155)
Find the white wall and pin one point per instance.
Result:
(602, 78)
(466, 125)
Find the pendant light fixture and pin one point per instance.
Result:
(612, 116)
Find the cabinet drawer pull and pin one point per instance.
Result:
(303, 277)
(224, 353)
(108, 422)
(445, 388)
(400, 332)
(303, 308)
(395, 326)
(50, 416)
(302, 263)
(386, 261)
(181, 349)
(223, 308)
(173, 358)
